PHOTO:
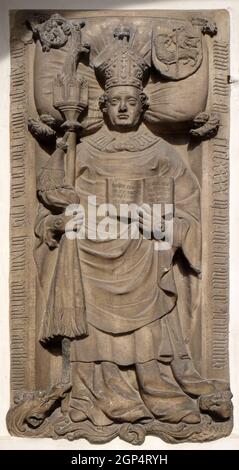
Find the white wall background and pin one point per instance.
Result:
(6, 441)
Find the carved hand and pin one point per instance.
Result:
(156, 229)
(150, 228)
(56, 225)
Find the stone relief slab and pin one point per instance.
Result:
(119, 225)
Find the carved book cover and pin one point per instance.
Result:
(119, 324)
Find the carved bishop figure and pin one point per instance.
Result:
(129, 362)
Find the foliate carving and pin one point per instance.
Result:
(135, 434)
(59, 426)
(40, 130)
(207, 27)
(205, 126)
(218, 405)
(118, 321)
(32, 408)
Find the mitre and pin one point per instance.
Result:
(120, 63)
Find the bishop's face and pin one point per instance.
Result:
(124, 107)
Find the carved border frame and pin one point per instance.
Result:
(215, 296)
